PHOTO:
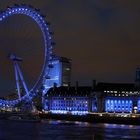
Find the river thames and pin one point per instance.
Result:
(64, 130)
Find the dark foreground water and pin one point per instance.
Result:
(63, 130)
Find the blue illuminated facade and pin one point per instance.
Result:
(54, 75)
(119, 105)
(138, 105)
(73, 105)
(59, 73)
(118, 98)
(70, 100)
(93, 104)
(105, 97)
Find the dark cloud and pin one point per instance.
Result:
(101, 37)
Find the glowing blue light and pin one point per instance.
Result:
(34, 15)
(138, 105)
(67, 112)
(118, 105)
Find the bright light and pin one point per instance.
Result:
(69, 112)
(40, 21)
(118, 104)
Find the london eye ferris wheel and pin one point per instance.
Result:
(19, 58)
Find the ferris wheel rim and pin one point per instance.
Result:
(35, 15)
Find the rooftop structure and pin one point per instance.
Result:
(59, 74)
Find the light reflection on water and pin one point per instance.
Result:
(102, 131)
(66, 130)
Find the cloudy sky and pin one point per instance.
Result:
(101, 37)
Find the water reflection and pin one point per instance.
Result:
(101, 131)
(66, 130)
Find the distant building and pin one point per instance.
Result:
(59, 73)
(116, 97)
(119, 97)
(105, 97)
(102, 97)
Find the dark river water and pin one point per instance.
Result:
(64, 130)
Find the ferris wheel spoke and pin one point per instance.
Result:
(39, 19)
(17, 80)
(22, 79)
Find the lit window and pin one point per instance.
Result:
(67, 68)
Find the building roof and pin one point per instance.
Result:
(69, 91)
(62, 59)
(115, 86)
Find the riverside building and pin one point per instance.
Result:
(100, 98)
(59, 74)
(71, 100)
(119, 97)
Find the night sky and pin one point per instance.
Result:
(101, 37)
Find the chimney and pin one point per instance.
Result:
(93, 84)
(77, 85)
(54, 86)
